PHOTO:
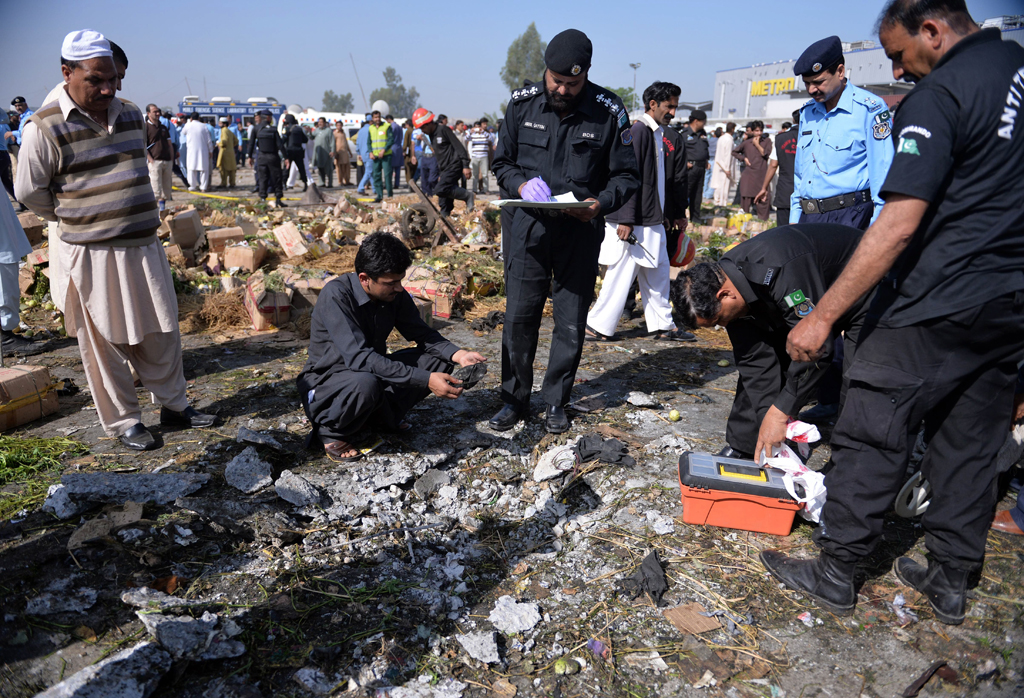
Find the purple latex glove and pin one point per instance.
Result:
(536, 190)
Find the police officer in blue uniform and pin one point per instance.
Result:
(946, 329)
(563, 134)
(844, 147)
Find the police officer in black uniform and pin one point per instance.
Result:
(782, 159)
(946, 329)
(697, 156)
(295, 140)
(452, 162)
(758, 291)
(268, 141)
(564, 134)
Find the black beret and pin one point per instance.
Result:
(569, 53)
(17, 100)
(819, 56)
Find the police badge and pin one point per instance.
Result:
(881, 131)
(576, 69)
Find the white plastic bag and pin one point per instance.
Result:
(796, 473)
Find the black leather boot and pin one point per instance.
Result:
(945, 587)
(825, 579)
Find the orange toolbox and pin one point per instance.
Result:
(734, 493)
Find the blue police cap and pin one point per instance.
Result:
(819, 56)
(569, 53)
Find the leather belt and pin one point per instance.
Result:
(834, 203)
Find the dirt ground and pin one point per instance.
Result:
(370, 587)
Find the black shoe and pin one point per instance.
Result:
(16, 345)
(825, 579)
(507, 418)
(188, 417)
(555, 420)
(820, 414)
(255, 191)
(281, 204)
(730, 452)
(138, 438)
(945, 587)
(377, 201)
(470, 201)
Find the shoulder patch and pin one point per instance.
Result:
(612, 104)
(881, 130)
(524, 92)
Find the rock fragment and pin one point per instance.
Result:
(249, 436)
(185, 637)
(118, 488)
(510, 617)
(130, 673)
(297, 490)
(481, 645)
(430, 482)
(248, 472)
(59, 503)
(642, 399)
(144, 597)
(314, 681)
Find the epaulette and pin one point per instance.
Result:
(524, 92)
(614, 106)
(868, 100)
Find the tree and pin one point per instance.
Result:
(403, 102)
(629, 98)
(339, 103)
(525, 59)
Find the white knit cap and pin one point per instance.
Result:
(84, 44)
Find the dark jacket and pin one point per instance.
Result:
(448, 149)
(643, 207)
(675, 172)
(296, 137)
(267, 141)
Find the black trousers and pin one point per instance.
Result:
(352, 401)
(447, 191)
(5, 173)
(695, 188)
(546, 253)
(269, 175)
(298, 156)
(782, 216)
(957, 374)
(762, 363)
(856, 216)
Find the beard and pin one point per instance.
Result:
(563, 104)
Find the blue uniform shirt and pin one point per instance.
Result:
(214, 133)
(172, 130)
(845, 150)
(4, 128)
(21, 125)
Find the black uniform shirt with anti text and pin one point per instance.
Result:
(960, 147)
(589, 152)
(349, 332)
(781, 274)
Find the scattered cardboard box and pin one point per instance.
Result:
(306, 291)
(33, 226)
(26, 279)
(186, 228)
(266, 308)
(27, 393)
(291, 240)
(223, 237)
(247, 257)
(38, 258)
(688, 619)
(426, 309)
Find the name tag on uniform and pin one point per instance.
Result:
(539, 127)
(592, 136)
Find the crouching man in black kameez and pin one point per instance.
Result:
(350, 383)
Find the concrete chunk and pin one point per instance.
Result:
(119, 488)
(59, 503)
(248, 472)
(510, 617)
(130, 673)
(190, 638)
(297, 490)
(482, 646)
(48, 604)
(430, 482)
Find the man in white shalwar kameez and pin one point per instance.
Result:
(642, 216)
(119, 298)
(725, 172)
(198, 150)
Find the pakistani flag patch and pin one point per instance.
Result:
(799, 303)
(908, 146)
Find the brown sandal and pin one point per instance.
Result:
(336, 448)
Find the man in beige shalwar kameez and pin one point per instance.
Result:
(119, 296)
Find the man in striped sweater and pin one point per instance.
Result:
(84, 165)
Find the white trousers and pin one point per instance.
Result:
(199, 178)
(654, 290)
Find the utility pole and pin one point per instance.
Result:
(634, 66)
(366, 105)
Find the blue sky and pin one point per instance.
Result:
(451, 52)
